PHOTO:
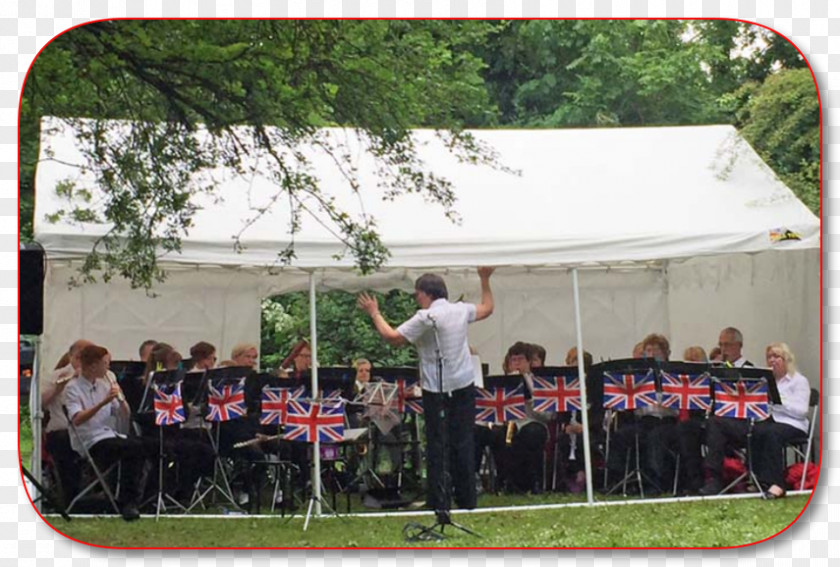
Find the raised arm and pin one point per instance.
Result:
(369, 305)
(484, 309)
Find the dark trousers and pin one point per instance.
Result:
(133, 453)
(194, 454)
(524, 462)
(722, 433)
(449, 419)
(691, 435)
(65, 459)
(769, 438)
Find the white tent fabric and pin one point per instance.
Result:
(670, 220)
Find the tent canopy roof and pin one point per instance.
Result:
(578, 196)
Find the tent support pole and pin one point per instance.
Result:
(36, 420)
(316, 448)
(587, 455)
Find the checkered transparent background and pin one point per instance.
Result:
(27, 25)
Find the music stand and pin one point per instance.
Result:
(255, 387)
(163, 378)
(218, 378)
(629, 367)
(749, 377)
(331, 379)
(557, 398)
(409, 407)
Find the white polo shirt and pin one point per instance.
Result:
(451, 320)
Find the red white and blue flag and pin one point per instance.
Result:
(169, 406)
(499, 404)
(227, 403)
(274, 402)
(557, 394)
(403, 403)
(686, 391)
(742, 400)
(629, 391)
(307, 421)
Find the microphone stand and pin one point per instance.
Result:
(443, 516)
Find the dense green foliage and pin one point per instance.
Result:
(173, 79)
(382, 77)
(345, 333)
(717, 523)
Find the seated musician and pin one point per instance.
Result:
(92, 401)
(145, 350)
(656, 427)
(244, 354)
(203, 355)
(298, 361)
(786, 421)
(57, 442)
(730, 342)
(523, 464)
(355, 413)
(571, 442)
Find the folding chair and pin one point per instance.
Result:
(100, 477)
(806, 440)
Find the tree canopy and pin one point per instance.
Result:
(173, 78)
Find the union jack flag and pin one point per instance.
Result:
(629, 391)
(559, 393)
(402, 402)
(685, 391)
(169, 406)
(274, 402)
(742, 400)
(228, 403)
(307, 421)
(499, 404)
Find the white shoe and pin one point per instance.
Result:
(243, 499)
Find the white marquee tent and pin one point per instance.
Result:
(673, 230)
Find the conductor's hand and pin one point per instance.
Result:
(368, 304)
(485, 272)
(574, 428)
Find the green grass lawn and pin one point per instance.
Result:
(668, 524)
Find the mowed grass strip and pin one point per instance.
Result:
(717, 523)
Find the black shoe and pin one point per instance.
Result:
(130, 512)
(711, 488)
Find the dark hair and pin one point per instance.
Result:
(144, 344)
(520, 348)
(538, 351)
(92, 354)
(201, 350)
(432, 285)
(660, 341)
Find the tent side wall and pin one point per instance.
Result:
(769, 297)
(218, 306)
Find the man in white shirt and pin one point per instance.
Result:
(439, 331)
(730, 342)
(92, 400)
(57, 441)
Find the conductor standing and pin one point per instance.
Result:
(439, 331)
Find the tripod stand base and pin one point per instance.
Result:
(418, 532)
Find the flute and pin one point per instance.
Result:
(113, 380)
(255, 441)
(64, 380)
